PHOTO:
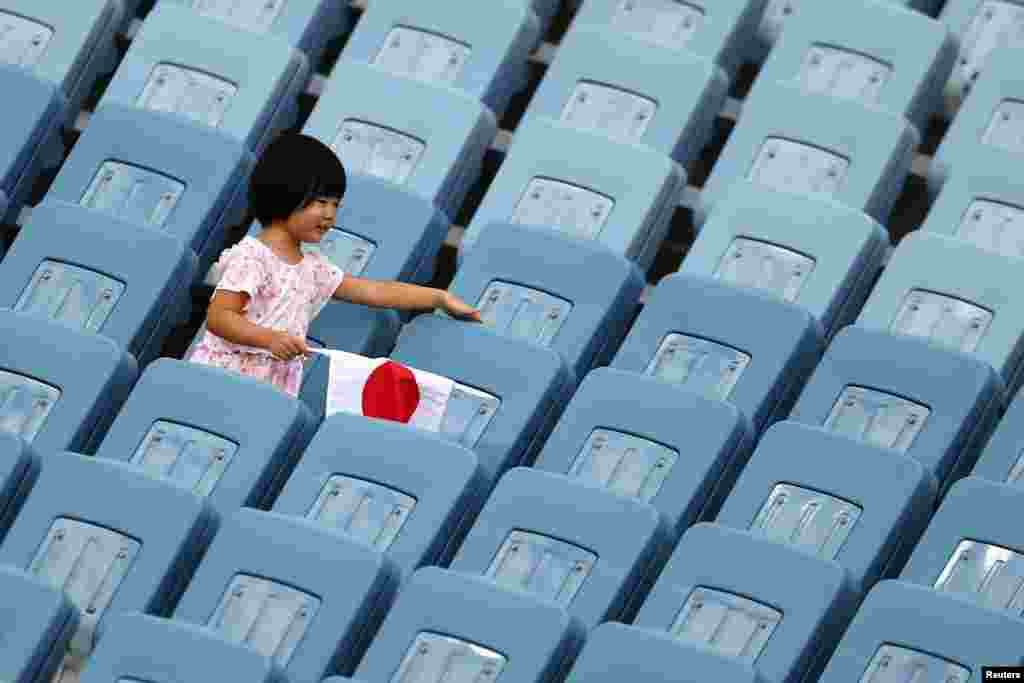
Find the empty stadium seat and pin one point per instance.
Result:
(616, 652)
(137, 647)
(400, 490)
(572, 545)
(834, 498)
(635, 436)
(60, 387)
(575, 297)
(1003, 459)
(902, 631)
(479, 48)
(954, 295)
(446, 625)
(812, 144)
(427, 139)
(508, 392)
(19, 467)
(752, 600)
(815, 253)
(97, 273)
(112, 538)
(211, 74)
(929, 403)
(272, 583)
(227, 438)
(36, 624)
(724, 342)
(594, 84)
(984, 29)
(581, 183)
(158, 170)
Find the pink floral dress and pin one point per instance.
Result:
(282, 296)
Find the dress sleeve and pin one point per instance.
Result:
(242, 270)
(328, 277)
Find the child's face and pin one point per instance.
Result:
(311, 223)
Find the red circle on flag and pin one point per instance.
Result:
(391, 393)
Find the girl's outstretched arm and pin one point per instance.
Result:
(403, 296)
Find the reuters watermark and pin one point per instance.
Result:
(1002, 673)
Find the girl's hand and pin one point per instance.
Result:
(459, 309)
(285, 347)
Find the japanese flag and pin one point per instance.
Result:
(382, 388)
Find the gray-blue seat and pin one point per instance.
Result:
(634, 436)
(406, 493)
(1003, 460)
(984, 29)
(19, 467)
(36, 624)
(725, 342)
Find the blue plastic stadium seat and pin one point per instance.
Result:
(818, 254)
(724, 342)
(902, 631)
(634, 436)
(752, 600)
(987, 134)
(1003, 458)
(36, 624)
(479, 48)
(112, 538)
(575, 297)
(19, 467)
(59, 388)
(158, 170)
(427, 139)
(402, 491)
(984, 29)
(594, 84)
(68, 44)
(876, 54)
(956, 296)
(97, 273)
(136, 647)
(564, 543)
(508, 395)
(898, 393)
(272, 582)
(227, 438)
(212, 75)
(616, 652)
(813, 144)
(581, 183)
(833, 498)
(448, 626)
(717, 30)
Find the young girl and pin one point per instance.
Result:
(270, 290)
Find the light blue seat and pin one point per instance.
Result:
(426, 139)
(112, 538)
(445, 625)
(986, 136)
(176, 426)
(984, 29)
(581, 183)
(815, 253)
(400, 490)
(753, 600)
(60, 388)
(564, 543)
(36, 624)
(272, 582)
(634, 436)
(594, 84)
(813, 144)
(954, 295)
(575, 297)
(213, 75)
(1003, 460)
(137, 647)
(508, 393)
(834, 498)
(876, 54)
(97, 273)
(913, 631)
(19, 467)
(616, 652)
(479, 48)
(158, 170)
(898, 393)
(724, 342)
(717, 30)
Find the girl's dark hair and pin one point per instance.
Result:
(293, 170)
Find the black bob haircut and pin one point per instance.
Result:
(294, 170)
